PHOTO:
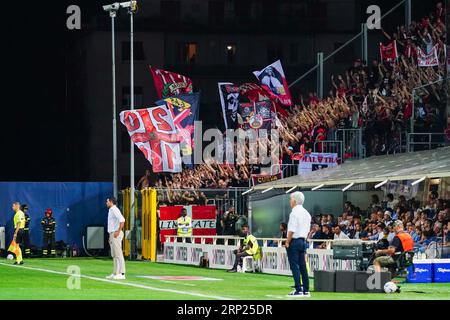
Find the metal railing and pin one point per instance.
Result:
(425, 141)
(223, 199)
(352, 142)
(287, 170)
(227, 240)
(330, 146)
(363, 35)
(233, 240)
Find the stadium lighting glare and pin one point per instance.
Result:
(348, 187)
(267, 190)
(248, 191)
(318, 187)
(418, 181)
(381, 184)
(291, 189)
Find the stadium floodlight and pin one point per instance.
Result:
(267, 190)
(348, 187)
(381, 184)
(291, 189)
(248, 191)
(418, 181)
(318, 187)
(112, 7)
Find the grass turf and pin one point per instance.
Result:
(18, 282)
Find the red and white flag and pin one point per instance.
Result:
(428, 60)
(169, 84)
(273, 80)
(389, 52)
(203, 221)
(153, 131)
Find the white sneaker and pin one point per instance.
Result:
(111, 276)
(306, 295)
(119, 277)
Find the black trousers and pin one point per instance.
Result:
(26, 242)
(48, 246)
(239, 256)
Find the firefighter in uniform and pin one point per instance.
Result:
(26, 231)
(184, 224)
(402, 242)
(49, 228)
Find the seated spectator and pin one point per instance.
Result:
(338, 234)
(283, 235)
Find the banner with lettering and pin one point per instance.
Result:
(229, 98)
(428, 60)
(273, 80)
(260, 178)
(389, 52)
(203, 221)
(255, 115)
(185, 111)
(153, 131)
(168, 84)
(316, 161)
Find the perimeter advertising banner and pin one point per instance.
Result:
(316, 161)
(203, 221)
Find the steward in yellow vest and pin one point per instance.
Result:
(184, 224)
(249, 247)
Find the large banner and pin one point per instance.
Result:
(229, 98)
(184, 109)
(261, 178)
(316, 161)
(169, 84)
(253, 92)
(428, 60)
(203, 221)
(389, 52)
(255, 115)
(153, 131)
(273, 80)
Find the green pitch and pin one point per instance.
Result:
(48, 278)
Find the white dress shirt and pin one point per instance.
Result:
(341, 236)
(299, 222)
(114, 219)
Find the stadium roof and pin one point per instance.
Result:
(405, 166)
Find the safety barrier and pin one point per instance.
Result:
(330, 146)
(287, 169)
(145, 221)
(223, 199)
(425, 141)
(351, 142)
(274, 258)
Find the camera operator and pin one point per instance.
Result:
(402, 242)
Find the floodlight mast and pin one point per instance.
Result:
(112, 9)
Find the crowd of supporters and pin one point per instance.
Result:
(376, 97)
(425, 223)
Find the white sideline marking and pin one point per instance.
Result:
(136, 285)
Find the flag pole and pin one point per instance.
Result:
(133, 254)
(113, 40)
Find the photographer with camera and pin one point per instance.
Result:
(229, 222)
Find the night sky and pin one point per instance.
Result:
(43, 128)
(41, 136)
